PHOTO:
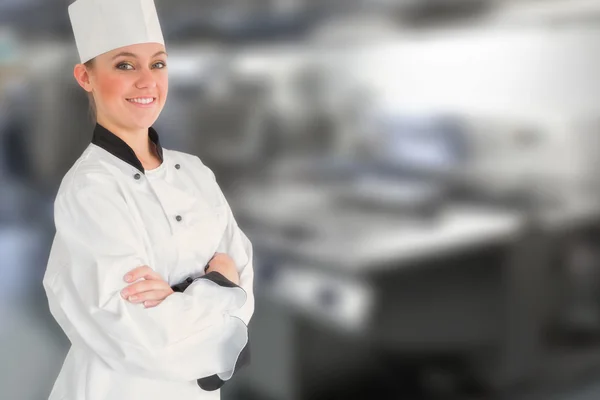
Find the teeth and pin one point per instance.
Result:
(142, 100)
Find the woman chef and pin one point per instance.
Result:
(149, 275)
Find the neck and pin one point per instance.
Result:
(137, 139)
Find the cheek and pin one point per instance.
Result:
(113, 88)
(163, 85)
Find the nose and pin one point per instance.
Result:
(145, 79)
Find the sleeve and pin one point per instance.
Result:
(188, 335)
(237, 245)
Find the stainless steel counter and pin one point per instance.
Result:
(312, 226)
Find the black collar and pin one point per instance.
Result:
(117, 147)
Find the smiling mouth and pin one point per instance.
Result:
(142, 100)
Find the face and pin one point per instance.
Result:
(129, 84)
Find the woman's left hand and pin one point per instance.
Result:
(151, 291)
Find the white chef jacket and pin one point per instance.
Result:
(112, 216)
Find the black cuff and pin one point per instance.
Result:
(219, 279)
(213, 382)
(213, 276)
(180, 287)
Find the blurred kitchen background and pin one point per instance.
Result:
(419, 179)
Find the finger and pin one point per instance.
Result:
(142, 271)
(151, 303)
(137, 273)
(143, 286)
(152, 295)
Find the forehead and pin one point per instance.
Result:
(141, 51)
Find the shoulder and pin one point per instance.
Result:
(88, 173)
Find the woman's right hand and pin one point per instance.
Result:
(224, 265)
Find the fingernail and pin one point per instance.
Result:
(127, 278)
(132, 298)
(124, 293)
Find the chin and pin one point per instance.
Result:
(143, 122)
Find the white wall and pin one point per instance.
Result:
(545, 79)
(535, 71)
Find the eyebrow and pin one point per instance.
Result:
(128, 54)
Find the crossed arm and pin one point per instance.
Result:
(153, 289)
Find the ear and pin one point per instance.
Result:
(82, 76)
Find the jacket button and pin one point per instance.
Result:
(177, 166)
(178, 218)
(189, 280)
(137, 176)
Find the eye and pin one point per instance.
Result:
(159, 65)
(124, 66)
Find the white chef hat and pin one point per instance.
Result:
(104, 25)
